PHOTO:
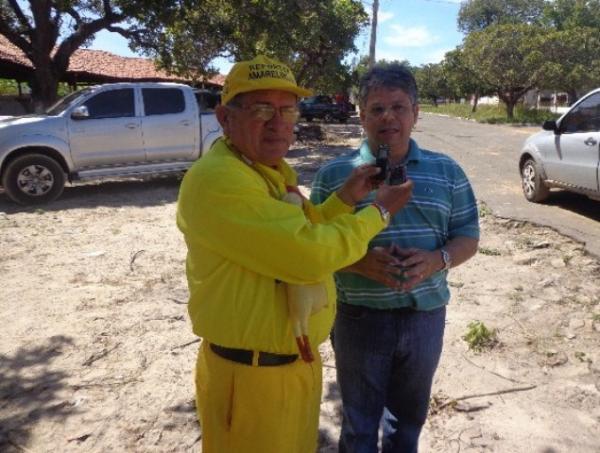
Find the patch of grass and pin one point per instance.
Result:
(596, 317)
(492, 114)
(489, 251)
(484, 210)
(479, 337)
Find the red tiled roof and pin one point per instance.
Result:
(100, 63)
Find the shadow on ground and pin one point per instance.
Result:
(29, 392)
(328, 441)
(579, 204)
(141, 192)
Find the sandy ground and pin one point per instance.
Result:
(96, 350)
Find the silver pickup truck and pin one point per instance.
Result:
(112, 130)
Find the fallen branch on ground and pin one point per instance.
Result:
(478, 395)
(185, 344)
(490, 371)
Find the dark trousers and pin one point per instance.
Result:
(385, 360)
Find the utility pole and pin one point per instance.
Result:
(373, 34)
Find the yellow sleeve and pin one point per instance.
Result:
(330, 208)
(227, 209)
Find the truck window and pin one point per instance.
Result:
(112, 104)
(163, 101)
(207, 100)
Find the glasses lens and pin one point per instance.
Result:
(266, 112)
(262, 112)
(289, 114)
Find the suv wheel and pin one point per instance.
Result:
(328, 118)
(33, 179)
(534, 188)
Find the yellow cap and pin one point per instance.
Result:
(261, 73)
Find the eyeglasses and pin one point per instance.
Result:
(397, 110)
(266, 112)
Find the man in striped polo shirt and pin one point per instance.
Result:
(389, 329)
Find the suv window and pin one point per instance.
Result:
(585, 117)
(112, 104)
(163, 101)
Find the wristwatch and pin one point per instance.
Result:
(385, 214)
(446, 259)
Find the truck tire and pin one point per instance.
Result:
(533, 185)
(328, 118)
(33, 179)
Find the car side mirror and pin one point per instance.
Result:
(80, 113)
(550, 125)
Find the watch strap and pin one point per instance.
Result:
(385, 214)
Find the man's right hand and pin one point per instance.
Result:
(393, 198)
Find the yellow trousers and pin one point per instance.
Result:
(248, 409)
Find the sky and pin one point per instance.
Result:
(420, 31)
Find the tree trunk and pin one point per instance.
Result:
(572, 93)
(510, 109)
(44, 87)
(475, 102)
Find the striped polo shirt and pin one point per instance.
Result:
(442, 207)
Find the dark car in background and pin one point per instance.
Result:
(323, 107)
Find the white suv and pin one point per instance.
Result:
(566, 154)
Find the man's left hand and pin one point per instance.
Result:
(418, 264)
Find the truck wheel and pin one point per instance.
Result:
(534, 188)
(328, 118)
(33, 179)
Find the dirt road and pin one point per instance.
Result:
(96, 350)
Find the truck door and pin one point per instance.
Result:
(576, 151)
(170, 128)
(111, 134)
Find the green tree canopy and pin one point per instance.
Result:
(49, 31)
(508, 58)
(572, 14)
(461, 81)
(475, 15)
(313, 36)
(571, 60)
(431, 81)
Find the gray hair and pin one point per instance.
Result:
(390, 75)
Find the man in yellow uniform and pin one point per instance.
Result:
(246, 245)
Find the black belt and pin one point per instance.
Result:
(246, 356)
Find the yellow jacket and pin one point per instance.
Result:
(243, 241)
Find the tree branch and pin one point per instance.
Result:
(14, 37)
(74, 14)
(19, 13)
(73, 42)
(479, 395)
